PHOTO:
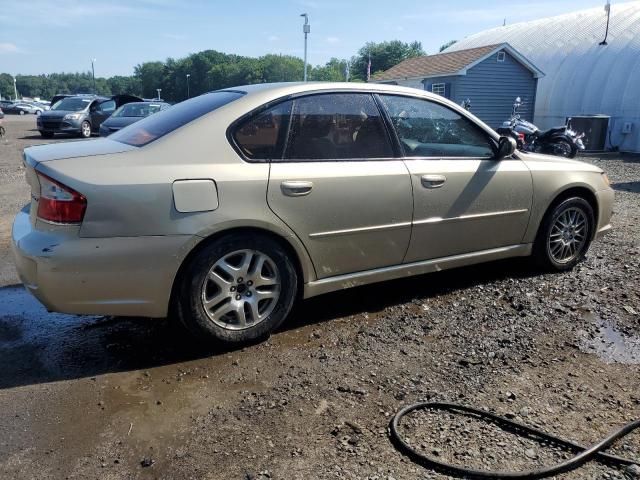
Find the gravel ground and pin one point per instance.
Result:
(87, 397)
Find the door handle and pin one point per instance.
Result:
(433, 181)
(296, 188)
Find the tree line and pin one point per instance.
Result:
(211, 70)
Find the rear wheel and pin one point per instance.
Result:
(46, 134)
(237, 290)
(85, 129)
(563, 148)
(565, 235)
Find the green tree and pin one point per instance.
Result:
(447, 45)
(383, 56)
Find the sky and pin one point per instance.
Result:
(47, 36)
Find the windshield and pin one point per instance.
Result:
(137, 109)
(151, 128)
(71, 104)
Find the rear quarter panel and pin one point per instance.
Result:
(130, 193)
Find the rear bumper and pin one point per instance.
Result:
(605, 200)
(130, 276)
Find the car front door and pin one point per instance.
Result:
(100, 112)
(336, 183)
(464, 200)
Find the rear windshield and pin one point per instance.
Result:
(71, 104)
(155, 126)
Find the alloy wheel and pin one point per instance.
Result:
(241, 289)
(86, 130)
(568, 235)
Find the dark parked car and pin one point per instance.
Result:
(4, 104)
(128, 114)
(79, 114)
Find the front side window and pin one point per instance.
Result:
(428, 129)
(337, 126)
(261, 137)
(107, 107)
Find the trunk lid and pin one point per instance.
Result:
(82, 148)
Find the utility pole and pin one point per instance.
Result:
(15, 90)
(306, 28)
(159, 90)
(93, 74)
(188, 75)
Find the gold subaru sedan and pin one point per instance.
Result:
(228, 207)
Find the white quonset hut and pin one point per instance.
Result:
(582, 77)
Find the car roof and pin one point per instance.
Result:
(291, 88)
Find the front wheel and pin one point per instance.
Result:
(564, 235)
(237, 290)
(85, 129)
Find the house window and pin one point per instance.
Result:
(438, 89)
(501, 56)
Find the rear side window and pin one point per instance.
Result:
(337, 126)
(262, 136)
(428, 129)
(155, 126)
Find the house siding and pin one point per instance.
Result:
(492, 87)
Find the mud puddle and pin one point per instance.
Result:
(611, 344)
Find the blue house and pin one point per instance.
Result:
(491, 77)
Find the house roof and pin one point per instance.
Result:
(449, 63)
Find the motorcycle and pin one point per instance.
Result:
(561, 141)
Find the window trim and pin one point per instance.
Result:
(444, 89)
(493, 143)
(502, 55)
(389, 131)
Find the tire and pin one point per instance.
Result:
(563, 148)
(225, 277)
(21, 112)
(558, 248)
(46, 134)
(85, 129)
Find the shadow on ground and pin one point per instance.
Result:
(633, 187)
(38, 347)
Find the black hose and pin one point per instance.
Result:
(585, 453)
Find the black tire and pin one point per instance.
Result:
(46, 134)
(85, 129)
(189, 299)
(542, 249)
(564, 148)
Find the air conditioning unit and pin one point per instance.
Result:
(595, 129)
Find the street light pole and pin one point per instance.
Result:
(15, 89)
(159, 90)
(306, 28)
(93, 74)
(188, 75)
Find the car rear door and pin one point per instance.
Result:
(464, 200)
(336, 183)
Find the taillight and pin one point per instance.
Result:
(59, 203)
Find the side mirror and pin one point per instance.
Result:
(506, 147)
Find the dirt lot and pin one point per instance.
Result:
(90, 397)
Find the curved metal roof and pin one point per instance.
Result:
(582, 77)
